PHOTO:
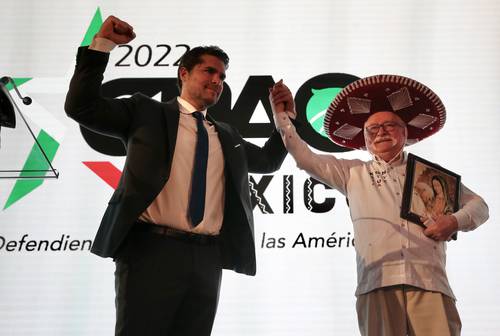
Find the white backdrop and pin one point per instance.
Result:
(452, 46)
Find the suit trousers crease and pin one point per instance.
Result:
(166, 286)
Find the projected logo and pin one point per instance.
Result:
(312, 99)
(48, 134)
(51, 131)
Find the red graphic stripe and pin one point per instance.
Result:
(106, 171)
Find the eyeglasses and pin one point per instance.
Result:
(388, 126)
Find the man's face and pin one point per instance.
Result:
(202, 86)
(387, 141)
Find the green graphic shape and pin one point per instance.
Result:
(35, 161)
(18, 81)
(317, 105)
(93, 28)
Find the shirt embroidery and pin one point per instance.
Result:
(378, 177)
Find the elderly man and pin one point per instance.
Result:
(402, 283)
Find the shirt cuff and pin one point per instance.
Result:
(102, 44)
(462, 219)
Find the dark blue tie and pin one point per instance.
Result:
(198, 182)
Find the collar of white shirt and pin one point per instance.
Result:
(397, 160)
(186, 108)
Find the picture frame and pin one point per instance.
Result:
(429, 191)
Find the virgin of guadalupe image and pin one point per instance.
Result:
(431, 200)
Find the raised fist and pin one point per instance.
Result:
(281, 99)
(116, 30)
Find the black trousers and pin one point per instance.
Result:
(166, 286)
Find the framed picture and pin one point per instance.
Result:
(430, 191)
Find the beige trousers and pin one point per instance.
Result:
(406, 310)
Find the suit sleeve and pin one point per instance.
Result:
(85, 104)
(265, 159)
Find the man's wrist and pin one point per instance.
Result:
(102, 44)
(281, 120)
(292, 114)
(461, 218)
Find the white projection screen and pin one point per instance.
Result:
(50, 284)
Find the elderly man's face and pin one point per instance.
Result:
(385, 135)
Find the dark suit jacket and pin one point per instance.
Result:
(148, 130)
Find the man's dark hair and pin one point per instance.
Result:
(193, 57)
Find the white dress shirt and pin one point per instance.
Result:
(389, 250)
(170, 207)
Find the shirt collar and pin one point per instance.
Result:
(397, 160)
(186, 108)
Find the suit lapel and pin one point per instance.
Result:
(230, 148)
(224, 137)
(171, 112)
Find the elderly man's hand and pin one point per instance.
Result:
(442, 228)
(116, 30)
(281, 99)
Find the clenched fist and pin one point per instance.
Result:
(116, 30)
(281, 99)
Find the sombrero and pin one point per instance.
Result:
(417, 105)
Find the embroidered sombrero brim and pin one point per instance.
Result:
(417, 105)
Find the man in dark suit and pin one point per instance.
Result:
(169, 234)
